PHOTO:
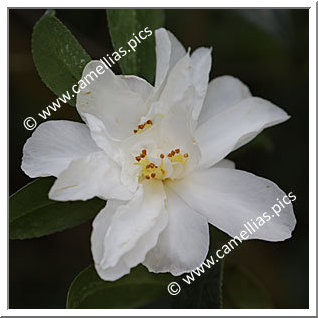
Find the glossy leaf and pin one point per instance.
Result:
(123, 25)
(242, 290)
(203, 292)
(135, 290)
(57, 55)
(32, 214)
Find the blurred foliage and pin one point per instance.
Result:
(135, 290)
(241, 290)
(125, 23)
(268, 50)
(142, 289)
(57, 55)
(33, 214)
(204, 293)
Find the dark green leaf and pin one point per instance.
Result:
(204, 292)
(57, 55)
(242, 290)
(32, 214)
(122, 24)
(135, 290)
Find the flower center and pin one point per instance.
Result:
(152, 169)
(143, 127)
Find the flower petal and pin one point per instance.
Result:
(110, 99)
(53, 145)
(92, 176)
(168, 51)
(101, 136)
(138, 85)
(177, 84)
(132, 221)
(185, 85)
(234, 127)
(183, 244)
(113, 273)
(200, 68)
(223, 92)
(225, 163)
(230, 198)
(101, 225)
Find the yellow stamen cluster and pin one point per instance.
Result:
(150, 170)
(143, 127)
(176, 156)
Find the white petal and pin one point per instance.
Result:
(113, 273)
(183, 244)
(53, 145)
(101, 136)
(92, 176)
(177, 84)
(132, 221)
(225, 163)
(223, 92)
(201, 66)
(100, 226)
(110, 99)
(168, 51)
(138, 85)
(230, 198)
(234, 127)
(185, 85)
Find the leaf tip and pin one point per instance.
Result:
(50, 12)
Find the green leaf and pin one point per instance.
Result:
(122, 24)
(135, 290)
(242, 290)
(32, 214)
(57, 55)
(205, 292)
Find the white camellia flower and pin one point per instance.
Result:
(157, 155)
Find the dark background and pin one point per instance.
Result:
(266, 49)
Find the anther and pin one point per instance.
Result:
(153, 175)
(147, 177)
(162, 156)
(141, 126)
(144, 151)
(173, 153)
(185, 155)
(177, 150)
(138, 158)
(149, 122)
(135, 131)
(142, 155)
